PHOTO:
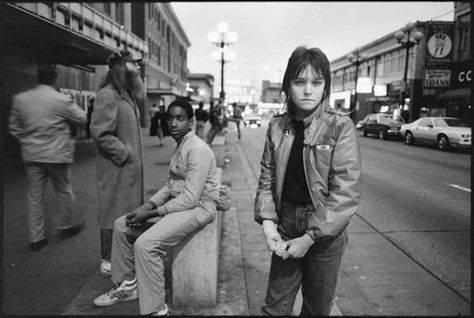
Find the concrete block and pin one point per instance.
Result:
(195, 266)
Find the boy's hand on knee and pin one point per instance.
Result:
(138, 216)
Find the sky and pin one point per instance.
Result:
(269, 31)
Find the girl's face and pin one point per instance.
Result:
(307, 90)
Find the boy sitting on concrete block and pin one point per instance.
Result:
(184, 205)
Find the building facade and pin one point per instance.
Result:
(457, 99)
(271, 92)
(166, 71)
(201, 87)
(79, 37)
(240, 91)
(430, 82)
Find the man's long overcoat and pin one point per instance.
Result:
(115, 127)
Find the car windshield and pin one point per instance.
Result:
(452, 122)
(388, 120)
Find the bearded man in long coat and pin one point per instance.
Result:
(115, 127)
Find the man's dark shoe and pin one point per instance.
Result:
(72, 230)
(36, 246)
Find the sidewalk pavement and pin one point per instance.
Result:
(244, 260)
(376, 277)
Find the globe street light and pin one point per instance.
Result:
(405, 38)
(222, 40)
(356, 58)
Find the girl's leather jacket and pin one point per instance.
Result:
(332, 165)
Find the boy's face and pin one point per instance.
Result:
(178, 122)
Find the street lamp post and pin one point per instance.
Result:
(222, 40)
(407, 41)
(355, 57)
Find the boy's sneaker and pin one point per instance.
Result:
(105, 267)
(126, 291)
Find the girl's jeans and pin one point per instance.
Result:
(316, 272)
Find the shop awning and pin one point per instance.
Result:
(456, 93)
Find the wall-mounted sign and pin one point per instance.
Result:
(380, 90)
(364, 85)
(437, 78)
(461, 75)
(439, 44)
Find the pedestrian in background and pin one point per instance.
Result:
(153, 122)
(201, 118)
(161, 126)
(115, 127)
(237, 117)
(41, 119)
(185, 204)
(90, 109)
(309, 187)
(216, 119)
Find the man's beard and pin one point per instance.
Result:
(134, 85)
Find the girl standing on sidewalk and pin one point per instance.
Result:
(308, 189)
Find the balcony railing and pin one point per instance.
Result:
(85, 20)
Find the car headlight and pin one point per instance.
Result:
(258, 122)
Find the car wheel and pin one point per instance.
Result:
(382, 134)
(443, 143)
(409, 140)
(364, 132)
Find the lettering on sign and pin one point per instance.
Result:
(437, 78)
(465, 76)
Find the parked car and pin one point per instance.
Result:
(252, 119)
(444, 132)
(381, 124)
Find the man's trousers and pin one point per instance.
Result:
(64, 216)
(143, 258)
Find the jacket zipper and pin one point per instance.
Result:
(306, 176)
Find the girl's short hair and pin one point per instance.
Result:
(184, 105)
(299, 59)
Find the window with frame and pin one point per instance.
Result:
(386, 64)
(380, 66)
(393, 63)
(401, 62)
